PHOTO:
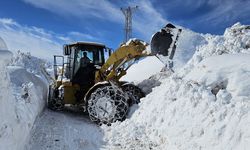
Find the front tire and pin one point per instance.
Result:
(107, 105)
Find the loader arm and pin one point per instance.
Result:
(163, 44)
(114, 68)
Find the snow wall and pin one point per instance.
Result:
(3, 45)
(204, 105)
(23, 92)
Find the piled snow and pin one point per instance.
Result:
(22, 97)
(143, 69)
(204, 105)
(186, 45)
(30, 63)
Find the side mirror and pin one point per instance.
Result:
(66, 50)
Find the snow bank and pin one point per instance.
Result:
(3, 45)
(30, 63)
(5, 56)
(22, 97)
(204, 105)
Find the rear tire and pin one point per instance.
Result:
(107, 105)
(134, 93)
(54, 103)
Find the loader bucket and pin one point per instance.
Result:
(160, 43)
(164, 42)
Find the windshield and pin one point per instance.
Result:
(88, 54)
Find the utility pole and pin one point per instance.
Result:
(128, 21)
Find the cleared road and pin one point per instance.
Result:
(67, 130)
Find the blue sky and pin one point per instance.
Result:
(42, 26)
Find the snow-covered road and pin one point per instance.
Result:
(68, 130)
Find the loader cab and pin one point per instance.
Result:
(76, 52)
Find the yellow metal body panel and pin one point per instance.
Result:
(69, 94)
(69, 91)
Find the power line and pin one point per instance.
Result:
(128, 21)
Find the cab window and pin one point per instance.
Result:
(94, 53)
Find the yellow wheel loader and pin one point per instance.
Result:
(90, 76)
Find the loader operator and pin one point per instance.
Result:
(86, 70)
(84, 61)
